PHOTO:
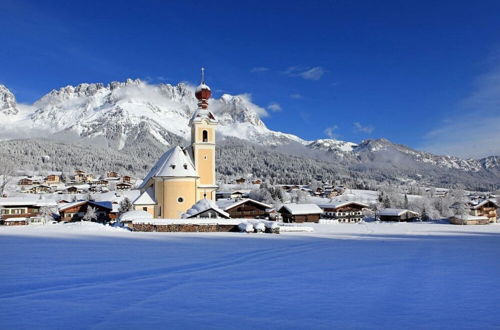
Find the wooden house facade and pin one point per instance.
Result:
(300, 212)
(76, 211)
(486, 208)
(245, 209)
(345, 212)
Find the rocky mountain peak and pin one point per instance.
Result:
(8, 105)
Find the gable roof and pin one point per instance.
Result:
(103, 204)
(395, 212)
(174, 163)
(342, 204)
(486, 201)
(227, 204)
(146, 198)
(301, 209)
(204, 205)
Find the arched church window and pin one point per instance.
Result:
(205, 136)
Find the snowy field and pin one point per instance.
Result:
(347, 276)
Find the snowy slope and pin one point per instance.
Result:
(362, 276)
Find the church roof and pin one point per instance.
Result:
(146, 198)
(175, 164)
(201, 114)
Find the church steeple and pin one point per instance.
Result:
(203, 126)
(203, 92)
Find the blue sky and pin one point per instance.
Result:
(421, 73)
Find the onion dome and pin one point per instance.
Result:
(203, 92)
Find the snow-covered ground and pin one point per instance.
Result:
(373, 275)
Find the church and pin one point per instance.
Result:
(183, 176)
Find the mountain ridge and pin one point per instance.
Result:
(122, 114)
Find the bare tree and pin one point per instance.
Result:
(6, 175)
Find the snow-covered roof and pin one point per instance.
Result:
(341, 204)
(173, 163)
(202, 86)
(395, 212)
(300, 209)
(201, 114)
(227, 204)
(135, 215)
(203, 205)
(483, 203)
(104, 204)
(20, 201)
(146, 198)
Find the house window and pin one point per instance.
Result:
(205, 136)
(145, 208)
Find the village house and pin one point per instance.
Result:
(346, 212)
(25, 182)
(126, 179)
(479, 213)
(397, 215)
(75, 211)
(53, 178)
(39, 189)
(240, 181)
(486, 208)
(123, 186)
(300, 212)
(245, 208)
(113, 175)
(22, 211)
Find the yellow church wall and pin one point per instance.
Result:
(205, 164)
(173, 189)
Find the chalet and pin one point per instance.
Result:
(300, 212)
(240, 194)
(397, 215)
(80, 176)
(205, 208)
(77, 189)
(39, 189)
(53, 178)
(486, 208)
(22, 208)
(113, 175)
(245, 208)
(75, 211)
(258, 181)
(240, 181)
(126, 179)
(25, 182)
(123, 186)
(347, 212)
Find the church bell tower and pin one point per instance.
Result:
(203, 126)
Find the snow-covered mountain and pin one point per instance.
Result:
(126, 113)
(120, 111)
